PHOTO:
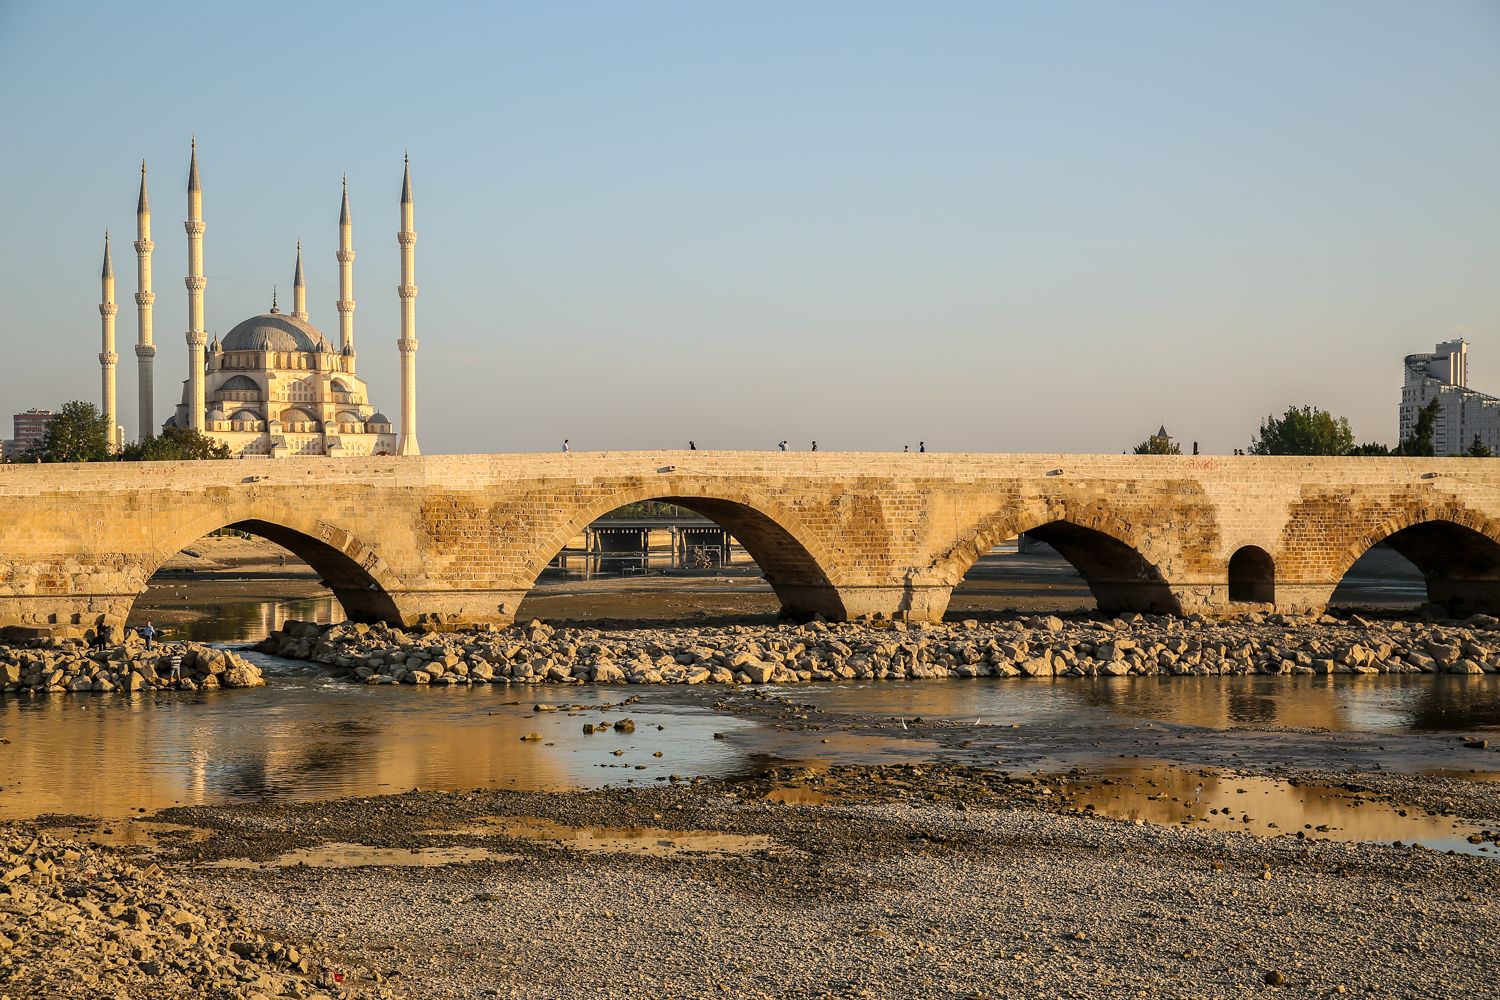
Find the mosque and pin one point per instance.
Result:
(274, 387)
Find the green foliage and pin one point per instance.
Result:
(1478, 449)
(650, 508)
(1304, 430)
(1372, 449)
(1419, 441)
(78, 433)
(1158, 444)
(175, 444)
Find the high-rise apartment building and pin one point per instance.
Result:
(1462, 413)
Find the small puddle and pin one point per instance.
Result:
(1264, 807)
(643, 840)
(131, 833)
(364, 856)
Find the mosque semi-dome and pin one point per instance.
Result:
(275, 331)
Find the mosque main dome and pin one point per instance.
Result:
(276, 331)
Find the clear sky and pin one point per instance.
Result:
(993, 226)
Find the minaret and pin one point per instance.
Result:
(197, 338)
(107, 356)
(299, 289)
(345, 257)
(145, 350)
(407, 240)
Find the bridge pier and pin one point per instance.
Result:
(61, 616)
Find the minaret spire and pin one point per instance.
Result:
(108, 359)
(345, 258)
(299, 289)
(407, 290)
(145, 349)
(197, 338)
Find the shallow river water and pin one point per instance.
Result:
(306, 736)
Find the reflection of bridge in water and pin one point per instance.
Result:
(626, 545)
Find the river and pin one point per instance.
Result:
(307, 736)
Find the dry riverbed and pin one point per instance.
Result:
(925, 879)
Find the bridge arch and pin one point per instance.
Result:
(357, 577)
(1119, 564)
(1456, 549)
(795, 562)
(1252, 576)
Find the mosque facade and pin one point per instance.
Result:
(274, 386)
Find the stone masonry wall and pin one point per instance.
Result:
(842, 534)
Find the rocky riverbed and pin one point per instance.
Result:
(790, 654)
(77, 921)
(935, 880)
(56, 666)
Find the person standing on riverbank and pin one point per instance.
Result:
(147, 632)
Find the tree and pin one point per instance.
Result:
(175, 444)
(1372, 449)
(77, 433)
(1304, 430)
(1419, 442)
(1478, 449)
(1159, 443)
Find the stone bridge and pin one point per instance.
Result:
(460, 539)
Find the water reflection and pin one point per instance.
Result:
(1263, 807)
(1379, 703)
(232, 621)
(307, 737)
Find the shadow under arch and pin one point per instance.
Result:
(363, 597)
(1118, 575)
(791, 562)
(1459, 563)
(1252, 576)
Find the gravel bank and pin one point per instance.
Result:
(791, 654)
(81, 922)
(896, 895)
(933, 881)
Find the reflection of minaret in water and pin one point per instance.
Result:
(108, 359)
(145, 348)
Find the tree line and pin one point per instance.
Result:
(79, 433)
(1307, 430)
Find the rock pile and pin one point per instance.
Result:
(75, 921)
(789, 654)
(40, 666)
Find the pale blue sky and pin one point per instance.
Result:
(992, 226)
